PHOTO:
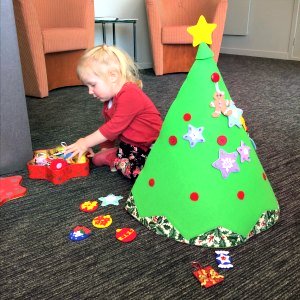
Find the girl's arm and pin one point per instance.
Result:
(83, 144)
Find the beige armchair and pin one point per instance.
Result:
(52, 35)
(168, 20)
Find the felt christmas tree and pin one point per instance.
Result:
(203, 183)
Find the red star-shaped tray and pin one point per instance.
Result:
(59, 171)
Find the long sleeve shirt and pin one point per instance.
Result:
(132, 118)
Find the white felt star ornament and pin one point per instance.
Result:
(235, 117)
(111, 199)
(194, 135)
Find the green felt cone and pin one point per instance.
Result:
(180, 193)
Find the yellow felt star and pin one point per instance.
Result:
(202, 31)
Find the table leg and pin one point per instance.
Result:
(104, 33)
(114, 33)
(134, 43)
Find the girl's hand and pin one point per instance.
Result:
(91, 153)
(79, 147)
(84, 144)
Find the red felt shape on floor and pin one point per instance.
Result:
(207, 276)
(10, 188)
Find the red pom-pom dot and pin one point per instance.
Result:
(172, 140)
(241, 195)
(194, 196)
(215, 77)
(222, 140)
(264, 176)
(187, 117)
(151, 182)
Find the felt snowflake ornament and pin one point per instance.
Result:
(226, 163)
(244, 152)
(194, 135)
(223, 259)
(111, 199)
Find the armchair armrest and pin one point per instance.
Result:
(89, 22)
(31, 46)
(219, 19)
(155, 26)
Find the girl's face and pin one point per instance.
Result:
(100, 88)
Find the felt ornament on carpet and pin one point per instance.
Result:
(102, 221)
(223, 259)
(197, 185)
(79, 233)
(207, 276)
(125, 235)
(110, 199)
(10, 188)
(89, 206)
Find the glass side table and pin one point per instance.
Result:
(114, 21)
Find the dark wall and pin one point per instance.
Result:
(15, 141)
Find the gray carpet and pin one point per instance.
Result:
(39, 262)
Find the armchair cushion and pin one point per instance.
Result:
(64, 39)
(176, 35)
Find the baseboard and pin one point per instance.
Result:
(145, 65)
(257, 53)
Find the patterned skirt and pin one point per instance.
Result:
(130, 160)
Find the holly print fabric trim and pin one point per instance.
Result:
(219, 237)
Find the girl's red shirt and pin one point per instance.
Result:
(132, 118)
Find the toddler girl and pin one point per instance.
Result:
(130, 116)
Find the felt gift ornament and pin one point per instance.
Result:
(203, 183)
(207, 276)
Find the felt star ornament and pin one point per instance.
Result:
(226, 163)
(202, 31)
(235, 117)
(194, 135)
(111, 199)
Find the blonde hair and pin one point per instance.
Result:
(102, 59)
